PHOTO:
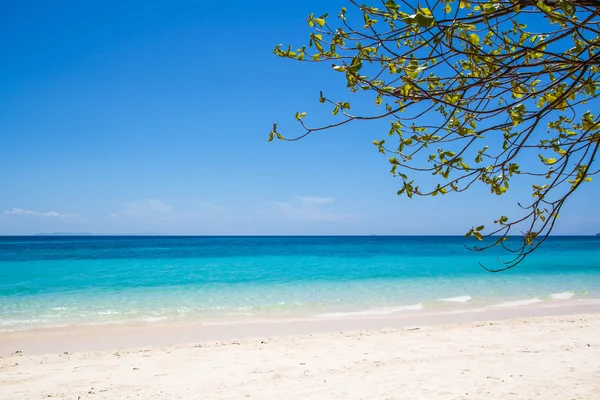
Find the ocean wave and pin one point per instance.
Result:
(516, 303)
(562, 295)
(373, 311)
(15, 322)
(457, 299)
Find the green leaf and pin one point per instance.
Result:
(474, 39)
(426, 21)
(547, 161)
(547, 9)
(391, 5)
(273, 132)
(319, 21)
(356, 65)
(422, 18)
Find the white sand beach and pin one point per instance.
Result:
(552, 357)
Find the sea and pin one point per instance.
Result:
(99, 280)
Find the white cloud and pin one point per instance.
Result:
(145, 209)
(309, 208)
(204, 210)
(153, 210)
(48, 214)
(314, 200)
(212, 206)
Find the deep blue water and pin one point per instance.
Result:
(73, 280)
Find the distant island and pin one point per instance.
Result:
(64, 234)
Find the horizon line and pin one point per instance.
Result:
(254, 235)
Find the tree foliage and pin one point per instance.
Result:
(475, 92)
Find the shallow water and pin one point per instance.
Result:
(57, 281)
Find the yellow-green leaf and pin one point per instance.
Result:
(319, 21)
(474, 39)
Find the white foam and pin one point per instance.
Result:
(517, 303)
(13, 322)
(59, 308)
(373, 311)
(562, 295)
(109, 312)
(152, 319)
(458, 299)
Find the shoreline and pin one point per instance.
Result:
(533, 358)
(119, 316)
(129, 336)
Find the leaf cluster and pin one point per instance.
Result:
(475, 92)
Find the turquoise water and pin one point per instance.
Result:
(57, 281)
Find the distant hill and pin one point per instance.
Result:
(64, 234)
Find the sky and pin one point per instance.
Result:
(152, 118)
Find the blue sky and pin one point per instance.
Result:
(138, 117)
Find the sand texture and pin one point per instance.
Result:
(533, 358)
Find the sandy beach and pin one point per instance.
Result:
(525, 358)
